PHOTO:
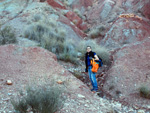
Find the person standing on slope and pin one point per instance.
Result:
(92, 75)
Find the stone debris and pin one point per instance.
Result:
(9, 82)
(81, 96)
(59, 82)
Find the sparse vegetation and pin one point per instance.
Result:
(111, 87)
(112, 110)
(7, 36)
(77, 74)
(53, 39)
(36, 18)
(78, 12)
(94, 33)
(118, 92)
(39, 100)
(99, 31)
(66, 2)
(144, 92)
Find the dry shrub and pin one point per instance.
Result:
(52, 38)
(77, 74)
(144, 92)
(42, 99)
(99, 31)
(7, 36)
(78, 12)
(36, 18)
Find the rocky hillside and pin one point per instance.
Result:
(117, 29)
(34, 65)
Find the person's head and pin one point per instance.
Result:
(88, 48)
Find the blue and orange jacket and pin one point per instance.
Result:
(88, 57)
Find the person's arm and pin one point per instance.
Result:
(96, 57)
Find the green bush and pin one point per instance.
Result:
(94, 33)
(99, 31)
(52, 38)
(144, 92)
(66, 2)
(68, 58)
(77, 74)
(69, 52)
(36, 18)
(7, 36)
(40, 100)
(20, 106)
(78, 12)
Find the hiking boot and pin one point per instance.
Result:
(94, 90)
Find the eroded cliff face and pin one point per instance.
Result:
(127, 29)
(126, 32)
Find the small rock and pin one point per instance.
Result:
(136, 107)
(9, 82)
(87, 101)
(81, 96)
(86, 105)
(81, 101)
(9, 94)
(59, 82)
(148, 106)
(141, 111)
(6, 99)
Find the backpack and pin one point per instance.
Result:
(95, 65)
(100, 62)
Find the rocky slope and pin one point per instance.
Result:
(34, 65)
(122, 26)
(129, 72)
